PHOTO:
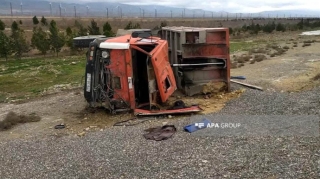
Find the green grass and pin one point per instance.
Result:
(236, 46)
(24, 78)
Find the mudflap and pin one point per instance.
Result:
(142, 112)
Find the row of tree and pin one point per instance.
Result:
(15, 43)
(272, 26)
(47, 36)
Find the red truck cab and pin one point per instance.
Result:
(128, 73)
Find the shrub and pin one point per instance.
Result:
(259, 58)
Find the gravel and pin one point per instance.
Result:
(122, 152)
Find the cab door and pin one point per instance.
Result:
(163, 71)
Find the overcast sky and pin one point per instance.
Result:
(243, 6)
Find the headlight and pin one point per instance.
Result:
(105, 54)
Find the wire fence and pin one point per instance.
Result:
(148, 13)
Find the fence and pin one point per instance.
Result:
(118, 12)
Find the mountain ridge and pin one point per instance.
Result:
(42, 7)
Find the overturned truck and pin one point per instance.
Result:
(139, 72)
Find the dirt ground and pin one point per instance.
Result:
(290, 72)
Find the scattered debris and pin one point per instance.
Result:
(248, 85)
(160, 133)
(81, 134)
(13, 119)
(131, 122)
(238, 77)
(197, 126)
(60, 126)
(213, 87)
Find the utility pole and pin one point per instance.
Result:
(212, 14)
(87, 10)
(50, 8)
(193, 14)
(75, 11)
(184, 12)
(204, 13)
(11, 8)
(155, 13)
(107, 12)
(21, 8)
(142, 13)
(60, 10)
(171, 13)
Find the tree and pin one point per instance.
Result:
(2, 25)
(69, 38)
(5, 45)
(82, 31)
(107, 30)
(20, 22)
(69, 31)
(163, 24)
(273, 26)
(258, 27)
(244, 27)
(280, 27)
(18, 39)
(94, 29)
(44, 21)
(35, 20)
(40, 40)
(300, 24)
(230, 30)
(268, 28)
(130, 25)
(57, 39)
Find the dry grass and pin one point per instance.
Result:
(252, 62)
(243, 58)
(286, 47)
(317, 77)
(259, 58)
(306, 44)
(13, 119)
(234, 65)
(259, 50)
(308, 41)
